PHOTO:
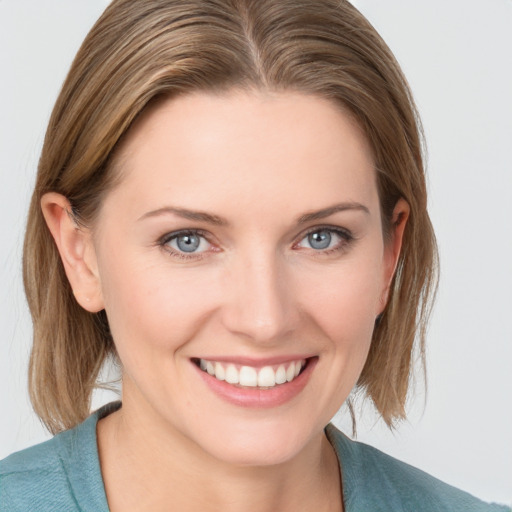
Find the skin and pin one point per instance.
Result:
(256, 288)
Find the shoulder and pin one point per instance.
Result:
(62, 474)
(375, 481)
(33, 477)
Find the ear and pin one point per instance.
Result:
(393, 247)
(76, 249)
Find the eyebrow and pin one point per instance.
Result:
(187, 214)
(219, 221)
(331, 210)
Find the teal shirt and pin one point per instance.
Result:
(63, 474)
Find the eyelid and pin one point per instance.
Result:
(164, 240)
(180, 232)
(345, 234)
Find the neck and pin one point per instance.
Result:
(148, 467)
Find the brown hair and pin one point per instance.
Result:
(140, 50)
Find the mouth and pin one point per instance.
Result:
(244, 376)
(256, 384)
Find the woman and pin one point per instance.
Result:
(230, 202)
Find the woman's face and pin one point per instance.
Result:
(242, 244)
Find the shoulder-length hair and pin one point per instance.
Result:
(140, 50)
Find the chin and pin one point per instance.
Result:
(255, 453)
(263, 443)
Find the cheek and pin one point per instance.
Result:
(339, 305)
(345, 300)
(346, 316)
(151, 309)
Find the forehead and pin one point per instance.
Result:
(245, 148)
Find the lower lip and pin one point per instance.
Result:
(257, 397)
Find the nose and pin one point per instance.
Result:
(259, 301)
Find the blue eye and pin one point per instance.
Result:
(325, 239)
(186, 242)
(320, 239)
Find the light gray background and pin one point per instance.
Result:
(457, 55)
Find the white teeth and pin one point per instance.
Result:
(281, 375)
(290, 372)
(248, 376)
(220, 374)
(232, 375)
(266, 377)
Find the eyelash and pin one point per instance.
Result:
(346, 239)
(182, 255)
(345, 236)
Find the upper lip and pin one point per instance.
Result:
(255, 362)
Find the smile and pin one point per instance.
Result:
(266, 377)
(256, 385)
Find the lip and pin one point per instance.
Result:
(254, 397)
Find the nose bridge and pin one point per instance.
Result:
(260, 304)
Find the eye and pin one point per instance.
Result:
(185, 242)
(325, 239)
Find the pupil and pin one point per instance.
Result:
(320, 239)
(188, 243)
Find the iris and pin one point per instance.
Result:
(320, 239)
(188, 243)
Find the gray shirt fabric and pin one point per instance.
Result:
(63, 474)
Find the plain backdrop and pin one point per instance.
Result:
(457, 55)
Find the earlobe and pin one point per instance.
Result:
(393, 246)
(74, 243)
